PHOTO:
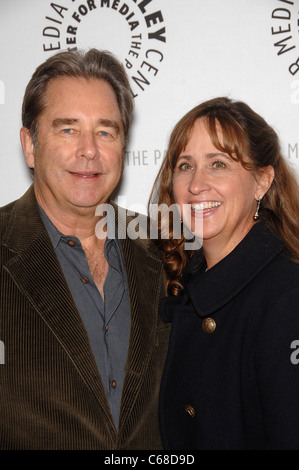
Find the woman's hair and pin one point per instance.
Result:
(92, 64)
(246, 137)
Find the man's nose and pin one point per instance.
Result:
(87, 146)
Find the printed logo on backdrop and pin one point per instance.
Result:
(285, 32)
(134, 30)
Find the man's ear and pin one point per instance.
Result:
(264, 177)
(27, 146)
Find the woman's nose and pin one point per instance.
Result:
(199, 181)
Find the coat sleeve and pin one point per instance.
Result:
(277, 364)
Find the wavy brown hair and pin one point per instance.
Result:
(245, 136)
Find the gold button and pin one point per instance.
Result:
(190, 410)
(209, 325)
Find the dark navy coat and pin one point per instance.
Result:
(231, 378)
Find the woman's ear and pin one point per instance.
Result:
(264, 177)
(27, 146)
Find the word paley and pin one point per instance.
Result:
(146, 33)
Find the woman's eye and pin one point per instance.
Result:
(185, 166)
(219, 164)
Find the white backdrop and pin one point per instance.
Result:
(177, 53)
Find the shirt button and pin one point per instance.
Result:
(190, 410)
(84, 279)
(113, 384)
(209, 325)
(106, 327)
(71, 242)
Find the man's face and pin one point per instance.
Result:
(78, 161)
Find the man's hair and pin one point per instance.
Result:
(94, 64)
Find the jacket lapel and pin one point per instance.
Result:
(145, 278)
(211, 290)
(36, 271)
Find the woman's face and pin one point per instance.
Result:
(218, 193)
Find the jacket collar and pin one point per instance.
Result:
(25, 225)
(146, 284)
(34, 267)
(210, 290)
(32, 252)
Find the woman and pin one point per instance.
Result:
(231, 379)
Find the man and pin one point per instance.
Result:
(84, 345)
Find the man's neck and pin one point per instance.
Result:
(76, 222)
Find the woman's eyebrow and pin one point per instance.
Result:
(185, 156)
(217, 154)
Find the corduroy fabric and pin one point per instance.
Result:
(51, 394)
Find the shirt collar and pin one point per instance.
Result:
(55, 235)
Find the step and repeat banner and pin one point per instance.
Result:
(177, 54)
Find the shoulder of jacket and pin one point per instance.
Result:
(5, 214)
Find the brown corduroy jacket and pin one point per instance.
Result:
(51, 393)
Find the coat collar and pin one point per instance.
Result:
(146, 283)
(32, 252)
(210, 290)
(36, 271)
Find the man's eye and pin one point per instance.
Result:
(219, 165)
(104, 133)
(108, 136)
(67, 131)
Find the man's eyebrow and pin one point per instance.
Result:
(109, 123)
(58, 122)
(63, 121)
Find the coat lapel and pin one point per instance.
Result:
(36, 271)
(209, 291)
(145, 278)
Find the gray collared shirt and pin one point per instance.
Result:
(107, 321)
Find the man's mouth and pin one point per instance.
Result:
(84, 174)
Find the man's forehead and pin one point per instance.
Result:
(71, 89)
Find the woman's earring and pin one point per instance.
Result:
(256, 215)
